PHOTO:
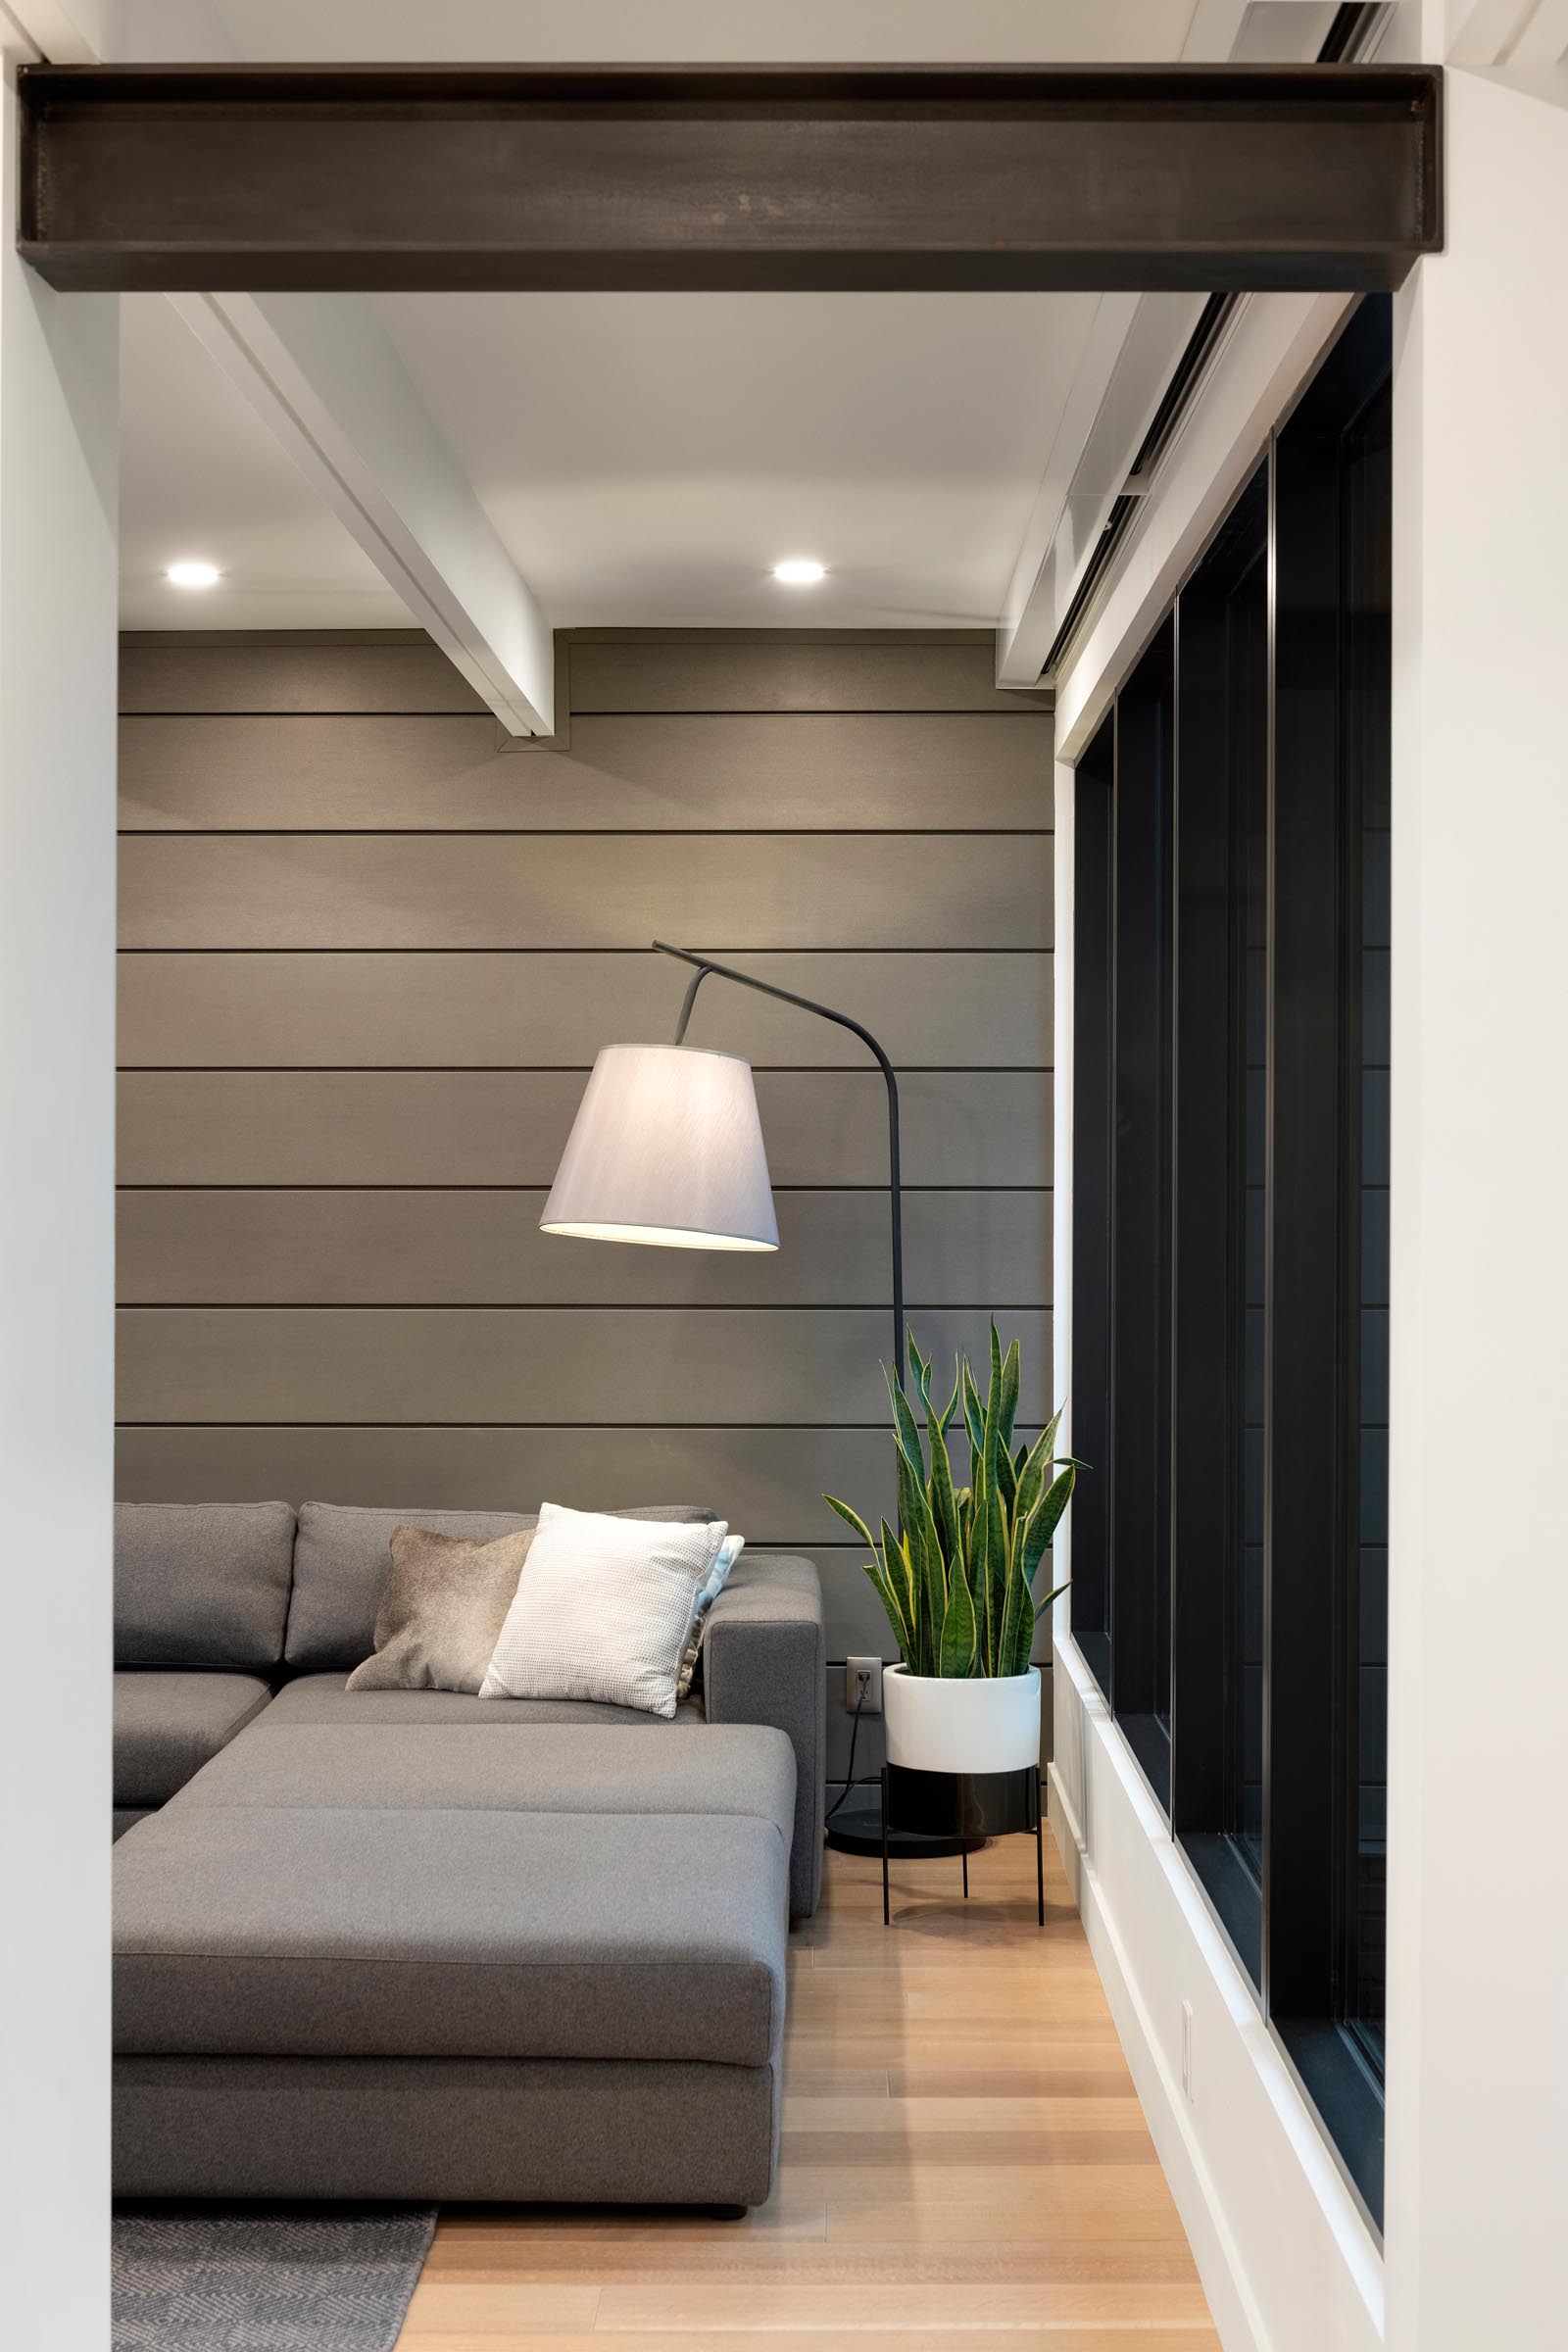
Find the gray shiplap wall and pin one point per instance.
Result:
(368, 954)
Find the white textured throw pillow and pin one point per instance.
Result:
(605, 1609)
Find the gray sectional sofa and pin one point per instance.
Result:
(408, 1943)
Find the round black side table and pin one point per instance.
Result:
(967, 1808)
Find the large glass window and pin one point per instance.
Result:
(1366, 602)
(1221, 1154)
(1090, 1594)
(1231, 1225)
(1142, 1001)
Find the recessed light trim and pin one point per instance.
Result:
(192, 572)
(800, 572)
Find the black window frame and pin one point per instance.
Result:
(1157, 1173)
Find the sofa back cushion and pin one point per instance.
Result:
(342, 1554)
(202, 1585)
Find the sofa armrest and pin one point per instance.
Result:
(764, 1661)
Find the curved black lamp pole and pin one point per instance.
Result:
(724, 971)
(863, 1830)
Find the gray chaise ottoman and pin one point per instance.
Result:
(425, 1961)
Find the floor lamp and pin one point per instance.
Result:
(666, 1149)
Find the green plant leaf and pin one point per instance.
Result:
(895, 1615)
(1011, 1376)
(957, 1654)
(1032, 1476)
(1007, 1480)
(922, 1381)
(921, 1535)
(977, 1568)
(853, 1518)
(975, 1418)
(1017, 1618)
(943, 1503)
(1046, 1518)
(954, 1400)
(895, 1565)
(991, 1565)
(908, 1427)
(997, 1551)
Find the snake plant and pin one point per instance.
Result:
(957, 1580)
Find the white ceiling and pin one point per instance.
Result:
(651, 457)
(200, 475)
(646, 458)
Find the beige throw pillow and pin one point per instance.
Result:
(441, 1610)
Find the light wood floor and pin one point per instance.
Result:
(963, 2153)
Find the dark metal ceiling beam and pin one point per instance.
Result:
(928, 178)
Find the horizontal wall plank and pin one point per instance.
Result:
(973, 1128)
(768, 1482)
(434, 1011)
(198, 670)
(656, 1365)
(734, 773)
(444, 1249)
(455, 891)
(698, 670)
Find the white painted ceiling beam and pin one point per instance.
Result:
(323, 376)
(61, 32)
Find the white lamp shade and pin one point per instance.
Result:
(667, 1147)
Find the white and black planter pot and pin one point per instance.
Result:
(981, 1724)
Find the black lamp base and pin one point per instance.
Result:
(856, 1828)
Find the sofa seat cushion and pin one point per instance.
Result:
(567, 1891)
(167, 1727)
(323, 1698)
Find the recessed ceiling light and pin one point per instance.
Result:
(191, 573)
(800, 572)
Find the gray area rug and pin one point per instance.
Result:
(266, 2277)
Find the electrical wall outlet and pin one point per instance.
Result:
(863, 1673)
(1186, 2048)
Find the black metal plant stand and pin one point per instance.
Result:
(955, 1812)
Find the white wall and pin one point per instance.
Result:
(58, 586)
(1478, 1630)
(1477, 2254)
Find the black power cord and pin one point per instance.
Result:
(855, 1733)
